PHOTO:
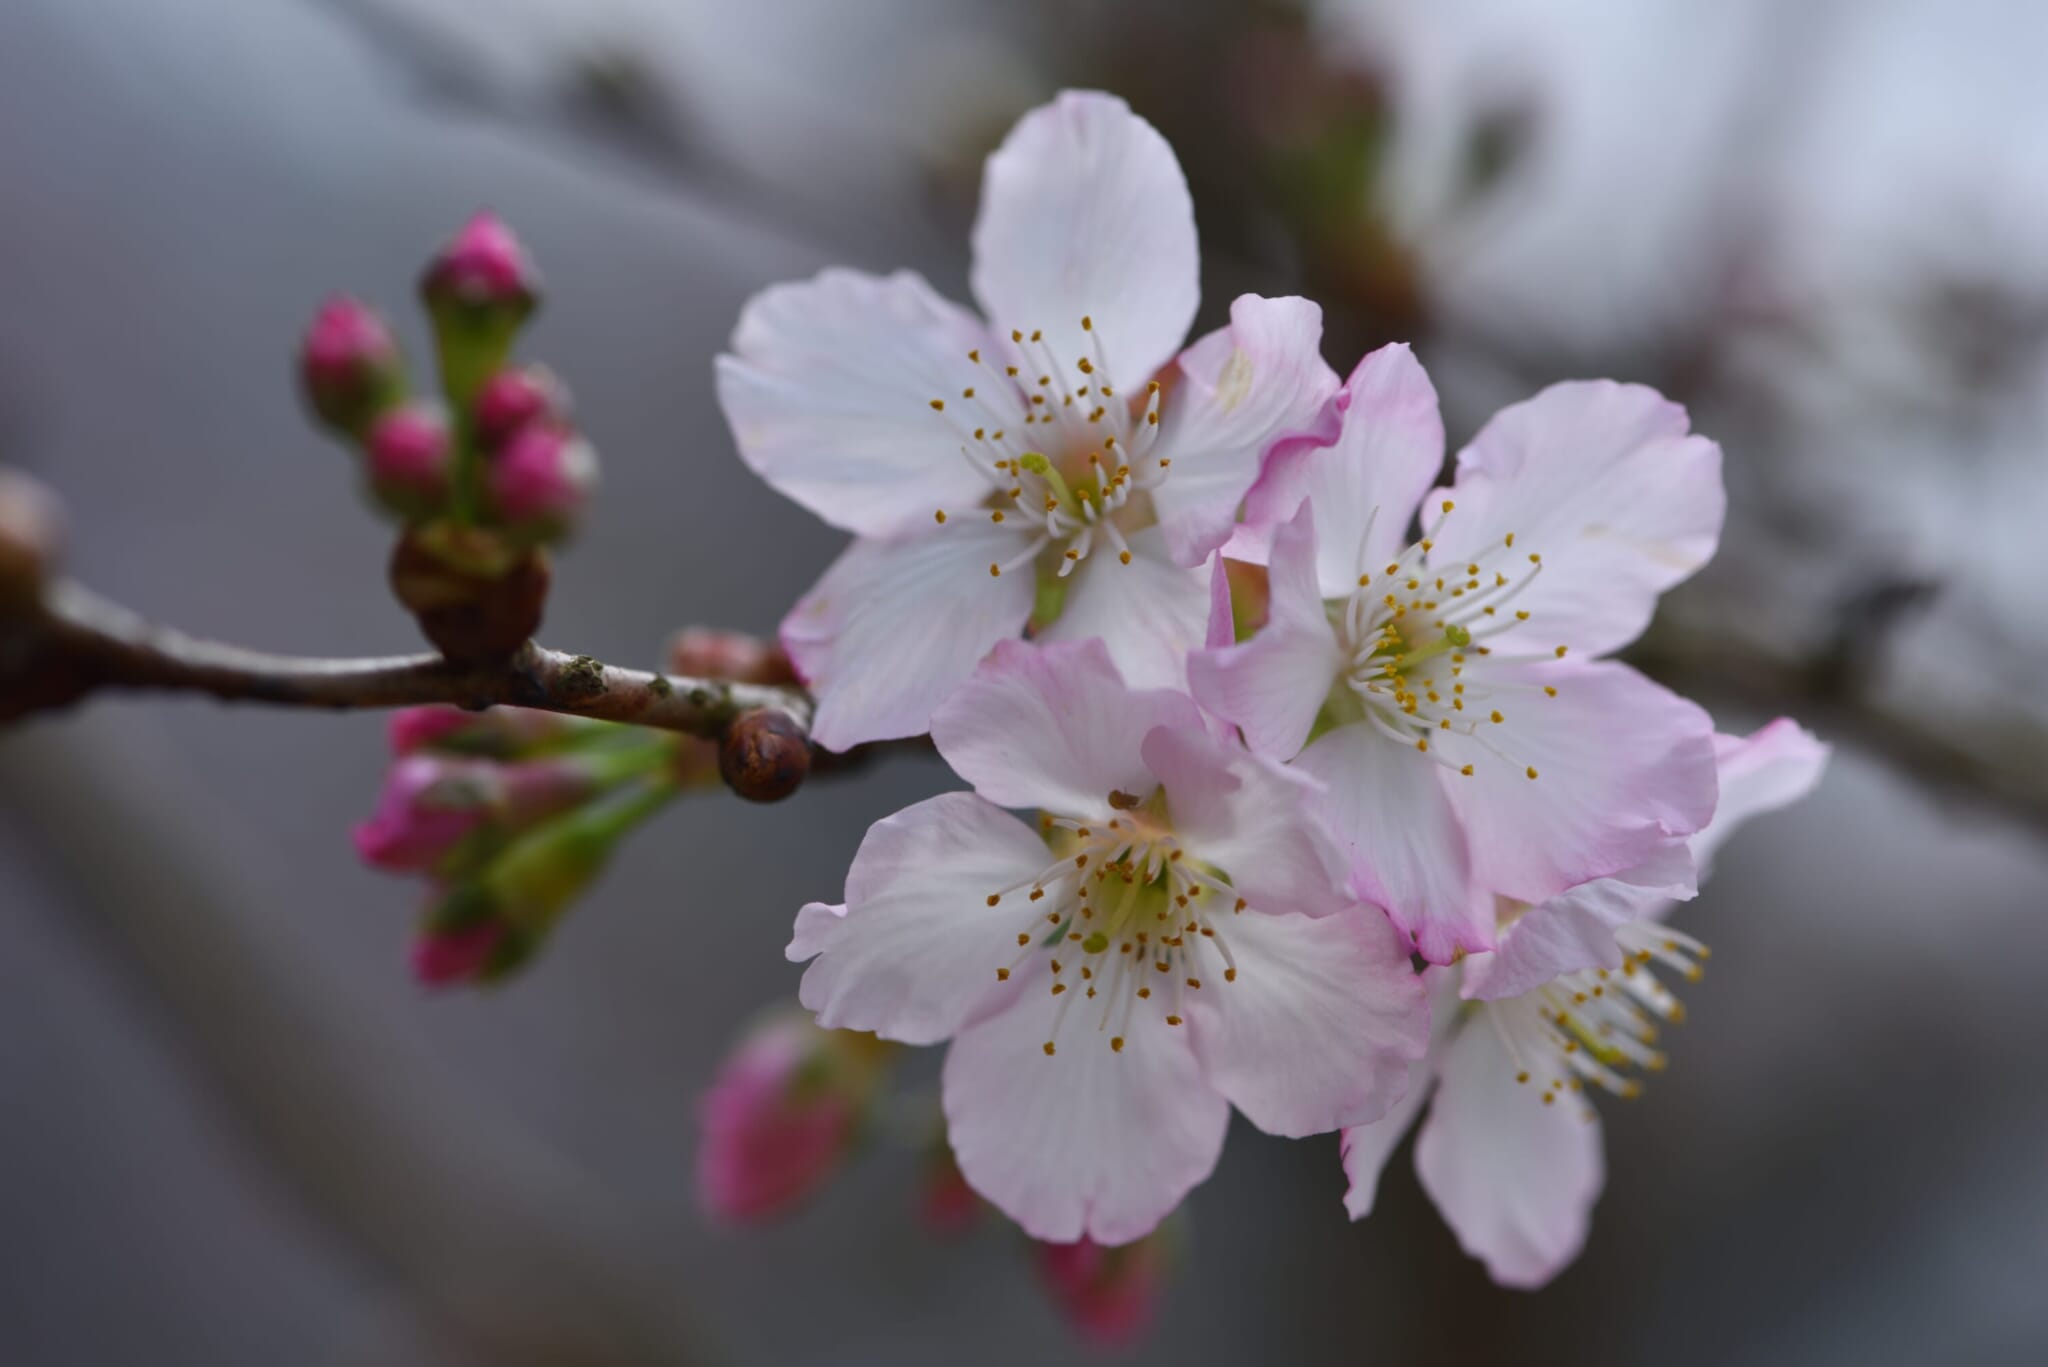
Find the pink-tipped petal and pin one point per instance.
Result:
(895, 626)
(1089, 1142)
(1272, 686)
(1407, 849)
(1604, 482)
(1768, 769)
(1621, 765)
(1085, 214)
(1317, 1025)
(1054, 727)
(1514, 1178)
(829, 389)
(1243, 389)
(917, 951)
(1388, 452)
(1575, 929)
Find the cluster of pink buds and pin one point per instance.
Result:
(483, 474)
(510, 815)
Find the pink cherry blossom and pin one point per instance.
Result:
(1511, 1152)
(1173, 937)
(1447, 690)
(1050, 462)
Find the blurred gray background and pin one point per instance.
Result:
(233, 1132)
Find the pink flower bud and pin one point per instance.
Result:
(349, 364)
(428, 806)
(1108, 1295)
(712, 653)
(777, 1120)
(483, 264)
(441, 958)
(541, 479)
(499, 732)
(946, 1206)
(410, 459)
(513, 399)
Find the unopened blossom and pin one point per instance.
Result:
(431, 804)
(781, 1116)
(1171, 938)
(1445, 683)
(1109, 1296)
(1049, 462)
(1572, 1000)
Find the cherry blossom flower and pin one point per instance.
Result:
(1448, 690)
(1172, 937)
(1511, 1152)
(1049, 463)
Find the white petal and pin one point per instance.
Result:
(1515, 1179)
(1406, 846)
(895, 626)
(1085, 214)
(1575, 929)
(1272, 686)
(1621, 763)
(1243, 389)
(1759, 773)
(1601, 480)
(1150, 613)
(816, 924)
(1089, 1142)
(829, 388)
(1366, 1148)
(1250, 817)
(1318, 1027)
(917, 951)
(1053, 726)
(1388, 452)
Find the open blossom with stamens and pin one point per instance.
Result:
(1511, 1152)
(1172, 937)
(1054, 465)
(1447, 688)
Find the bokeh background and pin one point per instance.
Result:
(233, 1132)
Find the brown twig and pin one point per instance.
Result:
(76, 643)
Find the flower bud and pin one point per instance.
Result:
(349, 365)
(31, 526)
(731, 656)
(540, 480)
(514, 399)
(444, 957)
(764, 756)
(781, 1116)
(432, 804)
(495, 732)
(410, 460)
(946, 1206)
(1109, 1296)
(479, 601)
(479, 289)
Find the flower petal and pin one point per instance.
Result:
(1407, 849)
(1575, 929)
(1317, 1027)
(1621, 763)
(915, 955)
(1272, 686)
(1088, 1143)
(816, 924)
(1601, 480)
(1768, 769)
(1249, 817)
(1366, 1148)
(895, 626)
(1053, 726)
(1243, 388)
(829, 389)
(1388, 451)
(1085, 214)
(1150, 613)
(1514, 1178)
